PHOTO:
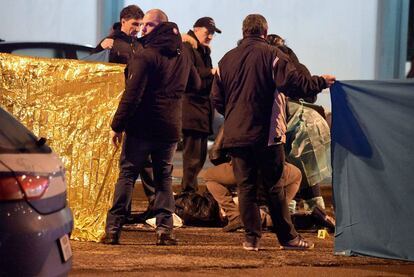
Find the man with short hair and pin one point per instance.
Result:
(197, 108)
(245, 91)
(123, 45)
(149, 114)
(123, 42)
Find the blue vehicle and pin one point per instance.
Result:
(35, 220)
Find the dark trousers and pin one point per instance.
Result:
(194, 157)
(247, 161)
(147, 179)
(135, 152)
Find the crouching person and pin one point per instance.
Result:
(221, 182)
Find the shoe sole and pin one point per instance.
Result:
(250, 248)
(297, 248)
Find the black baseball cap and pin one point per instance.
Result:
(207, 22)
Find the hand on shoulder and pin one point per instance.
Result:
(107, 43)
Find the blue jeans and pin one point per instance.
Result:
(133, 158)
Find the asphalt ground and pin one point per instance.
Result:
(211, 252)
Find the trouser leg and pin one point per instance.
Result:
(194, 157)
(164, 204)
(147, 179)
(312, 197)
(218, 181)
(131, 160)
(271, 161)
(245, 171)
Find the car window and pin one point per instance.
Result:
(15, 138)
(39, 52)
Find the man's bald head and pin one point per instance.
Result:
(152, 19)
(159, 14)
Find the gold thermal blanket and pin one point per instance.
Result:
(71, 103)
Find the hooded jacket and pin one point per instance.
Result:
(197, 107)
(150, 107)
(123, 49)
(246, 92)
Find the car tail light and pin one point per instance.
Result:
(23, 186)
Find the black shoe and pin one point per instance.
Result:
(142, 217)
(323, 220)
(166, 239)
(130, 219)
(111, 239)
(233, 225)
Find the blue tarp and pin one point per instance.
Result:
(373, 168)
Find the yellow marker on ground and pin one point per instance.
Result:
(322, 234)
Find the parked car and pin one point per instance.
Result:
(35, 220)
(57, 50)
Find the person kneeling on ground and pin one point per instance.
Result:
(220, 182)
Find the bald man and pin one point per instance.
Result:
(148, 121)
(151, 20)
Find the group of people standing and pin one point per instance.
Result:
(171, 90)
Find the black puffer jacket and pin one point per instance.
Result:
(197, 107)
(244, 90)
(150, 107)
(123, 49)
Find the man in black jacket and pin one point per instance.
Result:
(245, 91)
(149, 114)
(197, 108)
(123, 45)
(123, 42)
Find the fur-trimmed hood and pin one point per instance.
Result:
(190, 39)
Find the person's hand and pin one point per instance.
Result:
(329, 79)
(107, 43)
(214, 70)
(116, 138)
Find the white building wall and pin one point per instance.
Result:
(73, 21)
(328, 36)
